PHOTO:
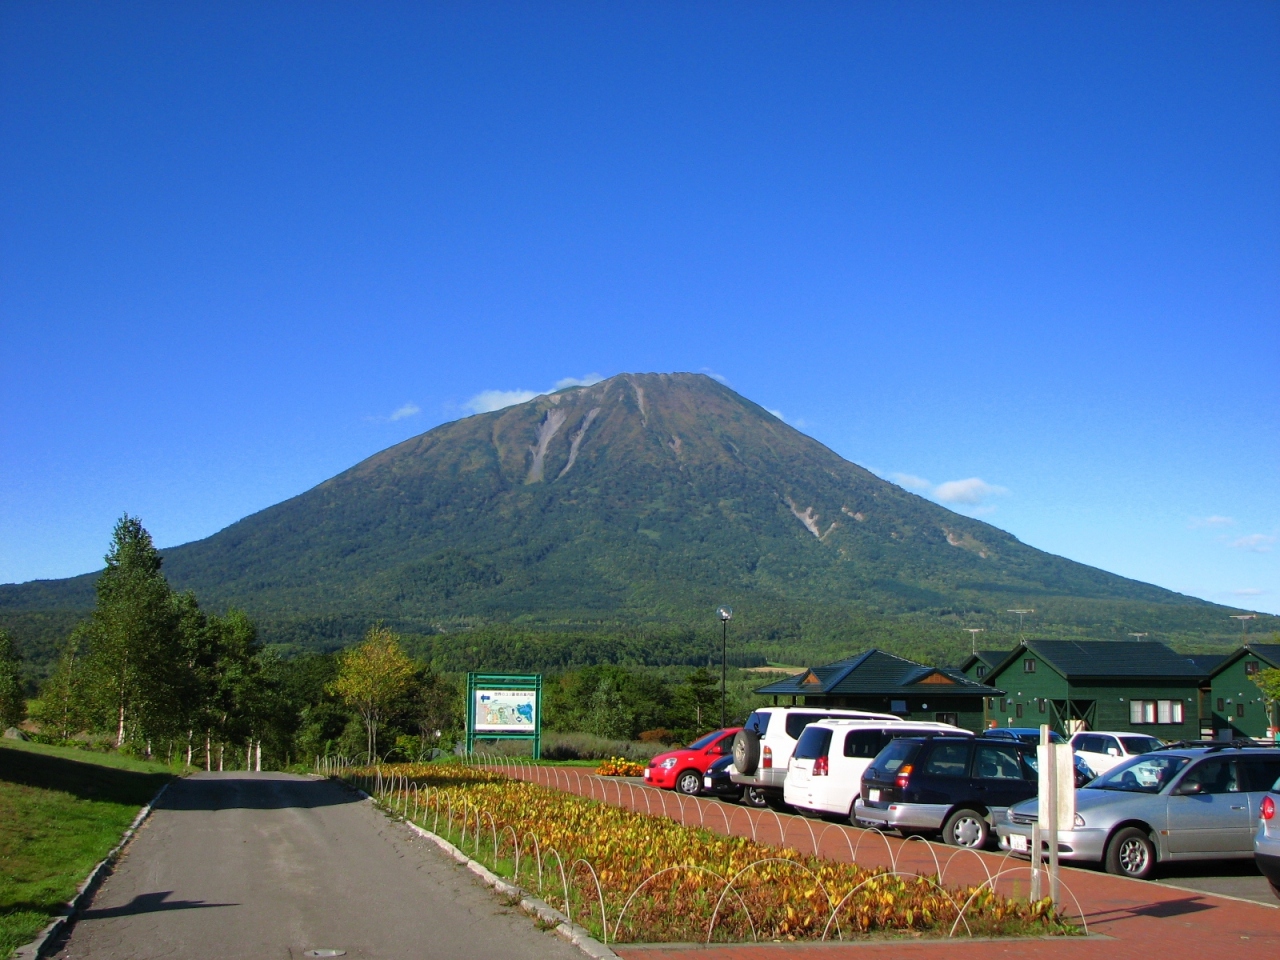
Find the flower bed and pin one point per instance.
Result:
(632, 877)
(620, 767)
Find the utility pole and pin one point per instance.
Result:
(1138, 636)
(724, 613)
(973, 637)
(1020, 614)
(1244, 619)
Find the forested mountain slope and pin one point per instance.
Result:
(646, 498)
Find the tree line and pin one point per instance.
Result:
(151, 672)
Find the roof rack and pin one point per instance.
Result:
(1212, 746)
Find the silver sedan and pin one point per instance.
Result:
(1194, 804)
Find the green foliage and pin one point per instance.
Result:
(13, 706)
(371, 678)
(60, 812)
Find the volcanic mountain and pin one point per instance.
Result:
(646, 497)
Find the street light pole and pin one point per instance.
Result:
(724, 613)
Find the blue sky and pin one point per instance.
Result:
(1019, 257)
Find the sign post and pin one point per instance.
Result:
(503, 706)
(1057, 798)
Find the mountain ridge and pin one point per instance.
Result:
(647, 497)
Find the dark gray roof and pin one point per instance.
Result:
(1110, 659)
(1208, 662)
(989, 658)
(875, 672)
(1268, 653)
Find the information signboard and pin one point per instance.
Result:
(504, 707)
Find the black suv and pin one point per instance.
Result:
(957, 785)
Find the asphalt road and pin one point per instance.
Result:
(1233, 878)
(269, 865)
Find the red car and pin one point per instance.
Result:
(683, 769)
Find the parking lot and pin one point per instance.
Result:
(1229, 878)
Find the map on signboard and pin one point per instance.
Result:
(508, 710)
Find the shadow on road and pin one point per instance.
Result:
(253, 791)
(149, 903)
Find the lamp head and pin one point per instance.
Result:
(724, 613)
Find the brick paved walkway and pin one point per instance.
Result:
(1159, 921)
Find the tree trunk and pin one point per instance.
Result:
(222, 748)
(208, 752)
(120, 728)
(190, 733)
(258, 766)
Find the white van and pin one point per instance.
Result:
(825, 775)
(762, 748)
(1104, 749)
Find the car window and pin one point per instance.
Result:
(1150, 774)
(996, 761)
(949, 760)
(1217, 775)
(863, 743)
(758, 722)
(1089, 744)
(706, 741)
(895, 755)
(1258, 773)
(1107, 744)
(796, 722)
(814, 742)
(1139, 745)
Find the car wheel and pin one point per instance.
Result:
(689, 783)
(754, 797)
(966, 828)
(777, 804)
(1130, 854)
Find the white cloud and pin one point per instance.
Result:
(970, 492)
(1255, 543)
(911, 481)
(408, 410)
(1213, 521)
(1248, 592)
(584, 381)
(715, 376)
(778, 414)
(486, 401)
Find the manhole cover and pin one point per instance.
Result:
(324, 952)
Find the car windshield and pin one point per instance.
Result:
(895, 755)
(706, 741)
(1150, 774)
(757, 723)
(1033, 736)
(1138, 745)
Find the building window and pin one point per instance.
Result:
(1042, 702)
(1018, 707)
(982, 671)
(1221, 705)
(991, 703)
(1028, 666)
(1004, 704)
(1155, 711)
(1239, 709)
(897, 706)
(1251, 668)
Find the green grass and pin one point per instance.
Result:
(61, 811)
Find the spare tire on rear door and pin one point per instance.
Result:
(746, 751)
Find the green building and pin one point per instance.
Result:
(884, 683)
(1235, 702)
(1097, 685)
(980, 663)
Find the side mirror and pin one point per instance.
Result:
(1112, 752)
(1191, 789)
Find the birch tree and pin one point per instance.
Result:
(371, 677)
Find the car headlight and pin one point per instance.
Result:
(1008, 815)
(1079, 820)
(668, 763)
